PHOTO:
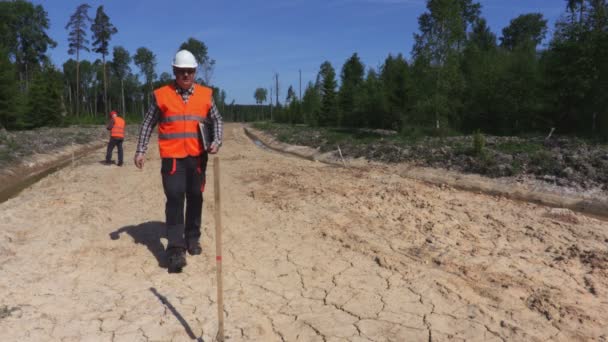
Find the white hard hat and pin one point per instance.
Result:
(184, 59)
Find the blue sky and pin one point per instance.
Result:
(251, 40)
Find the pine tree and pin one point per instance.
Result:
(373, 101)
(78, 42)
(102, 32)
(328, 115)
(396, 83)
(311, 104)
(349, 95)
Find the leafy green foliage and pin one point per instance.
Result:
(260, 95)
(479, 143)
(146, 62)
(9, 117)
(576, 70)
(199, 50)
(23, 33)
(44, 99)
(121, 58)
(518, 147)
(457, 80)
(526, 31)
(311, 104)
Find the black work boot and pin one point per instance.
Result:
(176, 258)
(194, 247)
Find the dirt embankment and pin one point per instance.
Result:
(26, 155)
(559, 160)
(592, 200)
(312, 252)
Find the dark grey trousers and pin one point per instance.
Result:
(183, 178)
(114, 142)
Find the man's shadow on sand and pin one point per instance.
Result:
(148, 234)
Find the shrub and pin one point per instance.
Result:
(479, 144)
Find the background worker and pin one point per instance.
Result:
(178, 108)
(116, 126)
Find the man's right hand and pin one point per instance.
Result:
(139, 160)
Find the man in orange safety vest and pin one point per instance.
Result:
(116, 126)
(180, 109)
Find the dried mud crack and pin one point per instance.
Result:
(312, 252)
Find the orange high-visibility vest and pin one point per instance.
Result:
(118, 130)
(178, 135)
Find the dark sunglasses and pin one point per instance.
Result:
(185, 70)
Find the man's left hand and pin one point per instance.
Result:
(213, 148)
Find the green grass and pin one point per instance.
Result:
(336, 136)
(519, 147)
(264, 125)
(9, 145)
(82, 138)
(545, 161)
(325, 137)
(5, 156)
(98, 120)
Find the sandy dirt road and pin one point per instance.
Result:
(312, 252)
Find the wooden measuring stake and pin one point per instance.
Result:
(218, 248)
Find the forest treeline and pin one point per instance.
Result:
(461, 76)
(34, 92)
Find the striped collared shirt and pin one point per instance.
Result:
(152, 118)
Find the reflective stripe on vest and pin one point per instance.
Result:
(178, 135)
(118, 130)
(169, 136)
(185, 117)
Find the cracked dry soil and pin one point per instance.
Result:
(312, 252)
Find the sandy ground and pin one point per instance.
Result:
(312, 252)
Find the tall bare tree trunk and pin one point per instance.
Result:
(95, 101)
(122, 95)
(70, 97)
(105, 86)
(77, 86)
(26, 77)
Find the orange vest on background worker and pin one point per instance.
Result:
(118, 130)
(178, 135)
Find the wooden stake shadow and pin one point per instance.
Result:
(148, 234)
(177, 315)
